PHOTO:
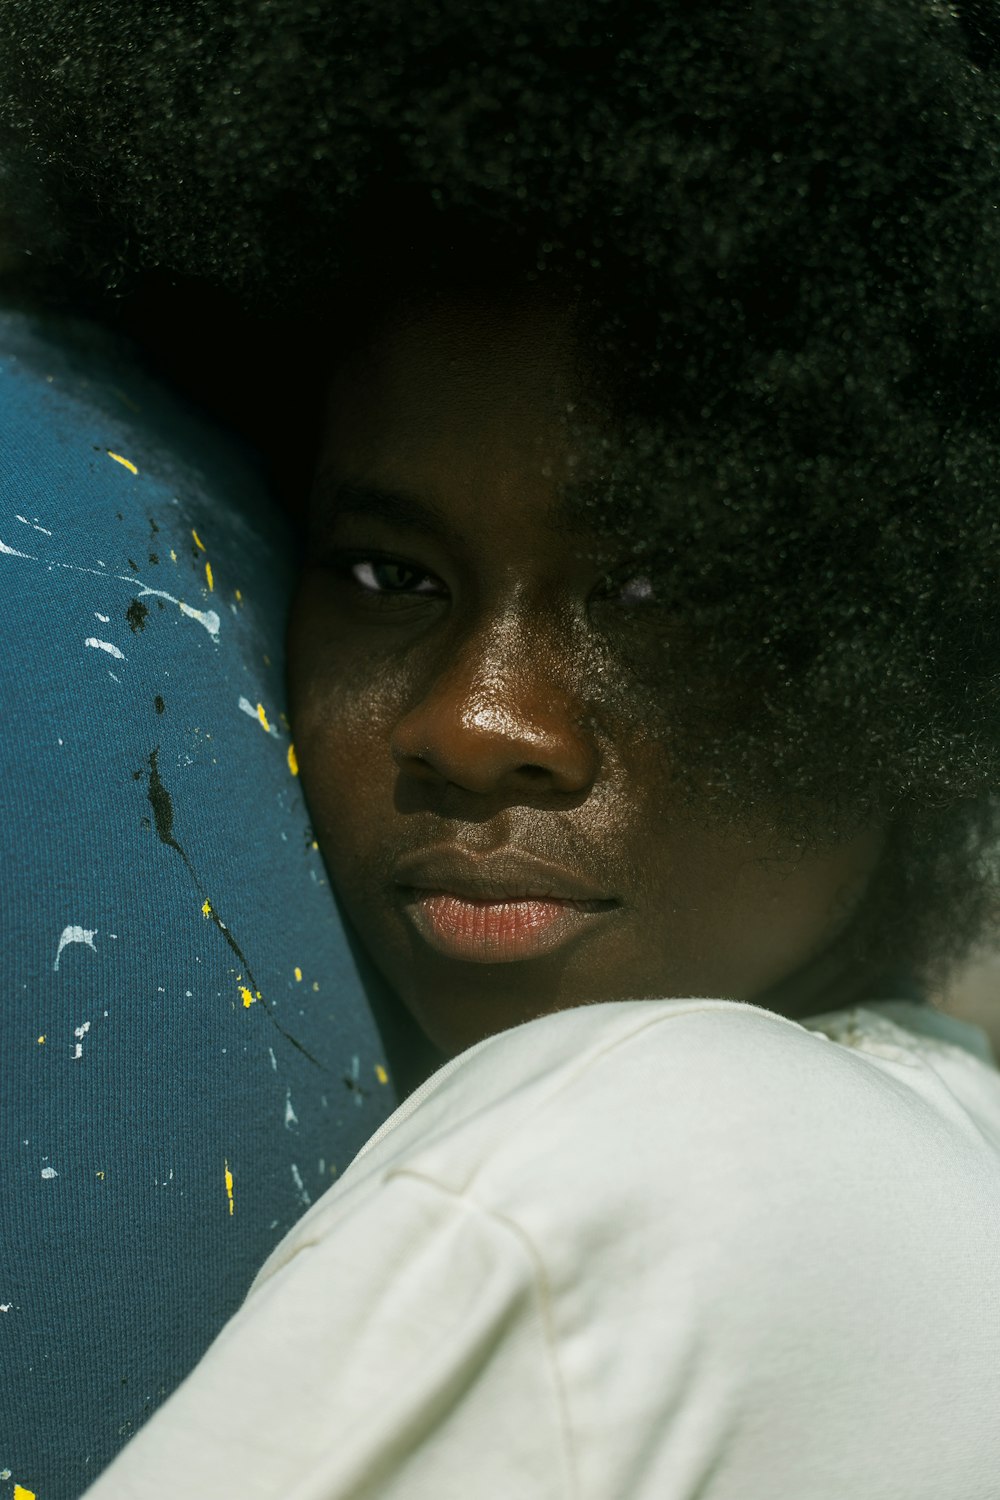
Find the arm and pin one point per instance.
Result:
(402, 1354)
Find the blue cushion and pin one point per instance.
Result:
(189, 1057)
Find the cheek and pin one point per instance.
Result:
(343, 708)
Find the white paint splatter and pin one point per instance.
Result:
(4, 1473)
(48, 1173)
(297, 1179)
(6, 1307)
(80, 1032)
(104, 646)
(75, 935)
(206, 617)
(291, 1118)
(270, 1052)
(13, 552)
(34, 525)
(104, 619)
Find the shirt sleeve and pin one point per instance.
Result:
(405, 1354)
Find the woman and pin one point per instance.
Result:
(622, 674)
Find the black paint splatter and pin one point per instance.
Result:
(352, 1084)
(153, 526)
(163, 813)
(153, 558)
(163, 808)
(159, 704)
(137, 614)
(133, 565)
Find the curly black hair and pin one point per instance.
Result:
(779, 224)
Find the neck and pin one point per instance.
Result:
(835, 980)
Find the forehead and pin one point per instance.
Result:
(460, 398)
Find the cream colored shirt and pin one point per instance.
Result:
(657, 1250)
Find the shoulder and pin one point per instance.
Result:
(623, 1078)
(698, 1117)
(706, 1115)
(719, 1227)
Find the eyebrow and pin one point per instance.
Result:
(401, 507)
(397, 507)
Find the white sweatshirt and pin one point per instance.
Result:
(654, 1250)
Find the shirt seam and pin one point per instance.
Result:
(544, 1295)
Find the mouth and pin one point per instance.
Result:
(500, 908)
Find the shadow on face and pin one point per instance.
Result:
(485, 765)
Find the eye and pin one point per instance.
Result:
(387, 575)
(633, 590)
(637, 590)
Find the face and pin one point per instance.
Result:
(483, 760)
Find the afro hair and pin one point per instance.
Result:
(780, 225)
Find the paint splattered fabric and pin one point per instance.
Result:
(188, 1054)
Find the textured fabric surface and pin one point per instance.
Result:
(657, 1250)
(188, 1055)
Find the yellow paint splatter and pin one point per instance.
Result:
(173, 555)
(314, 844)
(293, 761)
(41, 1041)
(101, 1176)
(208, 577)
(315, 985)
(125, 462)
(381, 1074)
(248, 999)
(239, 597)
(229, 1191)
(298, 974)
(198, 541)
(262, 716)
(206, 910)
(20, 1493)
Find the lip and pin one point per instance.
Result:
(498, 908)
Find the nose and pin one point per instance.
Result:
(497, 719)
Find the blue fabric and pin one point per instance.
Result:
(188, 1054)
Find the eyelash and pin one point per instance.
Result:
(634, 591)
(351, 566)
